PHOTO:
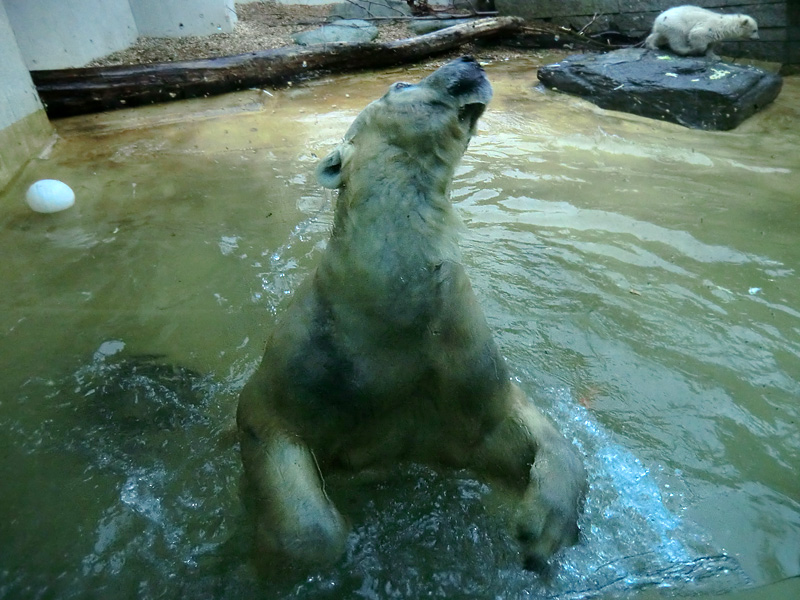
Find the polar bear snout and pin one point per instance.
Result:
(464, 80)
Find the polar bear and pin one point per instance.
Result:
(384, 354)
(693, 31)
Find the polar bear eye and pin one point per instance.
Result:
(400, 85)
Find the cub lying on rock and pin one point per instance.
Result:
(693, 31)
(384, 354)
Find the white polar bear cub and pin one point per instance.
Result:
(693, 31)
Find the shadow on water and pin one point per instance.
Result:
(640, 278)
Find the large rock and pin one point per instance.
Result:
(694, 92)
(346, 30)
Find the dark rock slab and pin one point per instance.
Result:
(345, 30)
(693, 92)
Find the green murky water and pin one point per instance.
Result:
(641, 277)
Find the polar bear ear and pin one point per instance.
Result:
(329, 169)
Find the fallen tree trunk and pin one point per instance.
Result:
(68, 92)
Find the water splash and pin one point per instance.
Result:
(284, 271)
(427, 534)
(630, 539)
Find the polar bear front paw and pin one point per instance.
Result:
(542, 536)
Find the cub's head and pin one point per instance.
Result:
(748, 28)
(425, 125)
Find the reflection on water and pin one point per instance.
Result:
(640, 276)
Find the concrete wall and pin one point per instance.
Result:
(324, 2)
(635, 17)
(24, 128)
(177, 18)
(61, 34)
(793, 31)
(303, 2)
(58, 34)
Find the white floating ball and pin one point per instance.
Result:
(49, 196)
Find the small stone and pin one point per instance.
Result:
(346, 30)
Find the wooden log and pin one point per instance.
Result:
(538, 34)
(68, 92)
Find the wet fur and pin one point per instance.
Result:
(384, 354)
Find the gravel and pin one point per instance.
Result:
(261, 26)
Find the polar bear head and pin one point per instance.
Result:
(748, 28)
(427, 124)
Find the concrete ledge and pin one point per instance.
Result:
(21, 141)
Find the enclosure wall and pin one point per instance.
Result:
(24, 128)
(58, 34)
(61, 34)
(177, 18)
(635, 18)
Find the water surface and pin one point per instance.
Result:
(641, 278)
